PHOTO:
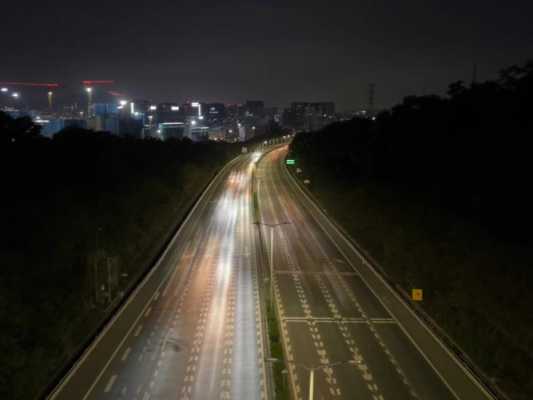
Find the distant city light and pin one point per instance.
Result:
(193, 122)
(88, 89)
(174, 108)
(123, 102)
(132, 107)
(199, 106)
(15, 95)
(201, 117)
(153, 108)
(4, 89)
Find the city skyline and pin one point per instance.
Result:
(281, 53)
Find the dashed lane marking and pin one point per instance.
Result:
(138, 330)
(110, 383)
(126, 353)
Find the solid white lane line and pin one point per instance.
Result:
(110, 383)
(147, 313)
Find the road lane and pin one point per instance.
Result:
(199, 333)
(330, 314)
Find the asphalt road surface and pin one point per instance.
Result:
(192, 330)
(335, 309)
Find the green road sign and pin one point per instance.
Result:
(290, 162)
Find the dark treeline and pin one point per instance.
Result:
(69, 205)
(437, 190)
(471, 148)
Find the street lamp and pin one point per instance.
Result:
(50, 94)
(312, 370)
(89, 91)
(271, 257)
(15, 95)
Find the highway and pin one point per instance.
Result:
(193, 328)
(339, 317)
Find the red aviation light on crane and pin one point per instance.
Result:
(116, 94)
(100, 82)
(31, 84)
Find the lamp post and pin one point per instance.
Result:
(50, 104)
(16, 100)
(89, 91)
(312, 370)
(271, 253)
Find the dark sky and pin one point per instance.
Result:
(277, 51)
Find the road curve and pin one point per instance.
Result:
(335, 308)
(192, 329)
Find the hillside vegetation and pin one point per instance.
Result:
(79, 203)
(437, 190)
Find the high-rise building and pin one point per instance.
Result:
(100, 109)
(104, 123)
(254, 108)
(215, 114)
(171, 130)
(140, 106)
(309, 116)
(326, 109)
(130, 126)
(51, 126)
(169, 112)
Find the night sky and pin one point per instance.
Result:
(280, 52)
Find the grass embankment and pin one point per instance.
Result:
(80, 200)
(476, 287)
(279, 369)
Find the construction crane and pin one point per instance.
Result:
(97, 82)
(32, 84)
(89, 89)
(48, 85)
(52, 86)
